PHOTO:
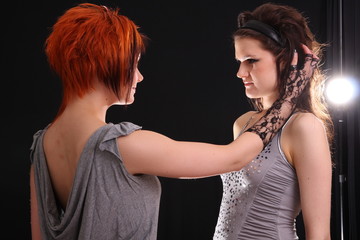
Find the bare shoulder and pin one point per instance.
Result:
(241, 121)
(302, 133)
(305, 123)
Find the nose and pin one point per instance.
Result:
(140, 77)
(243, 71)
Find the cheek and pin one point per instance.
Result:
(267, 79)
(270, 69)
(273, 78)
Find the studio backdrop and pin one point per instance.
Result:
(190, 92)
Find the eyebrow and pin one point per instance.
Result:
(245, 58)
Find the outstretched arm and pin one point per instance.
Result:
(146, 152)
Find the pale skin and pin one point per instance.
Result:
(143, 152)
(303, 140)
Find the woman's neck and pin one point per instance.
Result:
(93, 106)
(268, 101)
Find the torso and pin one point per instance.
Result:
(261, 200)
(101, 193)
(64, 142)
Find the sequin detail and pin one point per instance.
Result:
(236, 187)
(261, 200)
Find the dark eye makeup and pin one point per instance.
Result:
(251, 60)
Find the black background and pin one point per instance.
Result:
(190, 92)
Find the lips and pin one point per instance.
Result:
(247, 83)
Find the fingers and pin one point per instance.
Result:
(311, 60)
(294, 60)
(308, 52)
(306, 49)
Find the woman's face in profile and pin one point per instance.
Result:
(138, 77)
(257, 69)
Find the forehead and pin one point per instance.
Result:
(245, 46)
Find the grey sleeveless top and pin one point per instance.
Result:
(262, 200)
(106, 202)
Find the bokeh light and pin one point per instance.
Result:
(341, 90)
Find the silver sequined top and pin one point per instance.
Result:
(262, 200)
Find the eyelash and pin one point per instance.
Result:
(252, 60)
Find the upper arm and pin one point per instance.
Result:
(35, 224)
(312, 160)
(152, 153)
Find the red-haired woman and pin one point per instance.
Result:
(95, 180)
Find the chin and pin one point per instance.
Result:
(252, 96)
(130, 101)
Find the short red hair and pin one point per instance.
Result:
(90, 41)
